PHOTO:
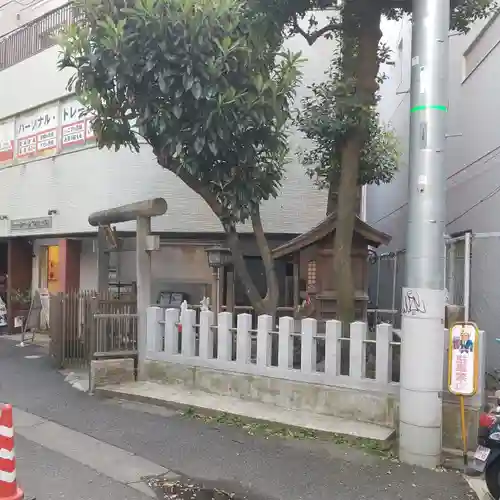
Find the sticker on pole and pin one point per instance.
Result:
(423, 303)
(463, 357)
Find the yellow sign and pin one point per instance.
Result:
(463, 359)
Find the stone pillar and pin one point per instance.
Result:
(102, 261)
(143, 266)
(69, 264)
(20, 272)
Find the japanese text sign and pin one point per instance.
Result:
(36, 132)
(463, 358)
(7, 134)
(76, 126)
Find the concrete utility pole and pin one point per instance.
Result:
(423, 303)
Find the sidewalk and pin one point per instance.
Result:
(41, 339)
(268, 467)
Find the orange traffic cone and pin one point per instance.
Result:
(8, 484)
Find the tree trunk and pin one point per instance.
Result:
(346, 216)
(361, 38)
(261, 305)
(333, 195)
(270, 302)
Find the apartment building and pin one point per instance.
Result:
(472, 169)
(52, 177)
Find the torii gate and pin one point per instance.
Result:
(141, 212)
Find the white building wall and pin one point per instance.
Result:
(78, 183)
(16, 13)
(472, 160)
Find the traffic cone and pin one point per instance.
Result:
(8, 484)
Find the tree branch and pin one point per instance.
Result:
(233, 240)
(192, 183)
(312, 36)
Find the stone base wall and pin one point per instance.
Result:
(379, 408)
(112, 371)
(353, 404)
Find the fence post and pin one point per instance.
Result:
(264, 326)
(243, 327)
(154, 330)
(357, 361)
(55, 329)
(94, 308)
(224, 336)
(188, 320)
(308, 345)
(206, 335)
(285, 347)
(171, 331)
(332, 347)
(383, 353)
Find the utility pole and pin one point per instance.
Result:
(423, 302)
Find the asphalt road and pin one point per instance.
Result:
(270, 469)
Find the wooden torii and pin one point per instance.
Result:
(141, 212)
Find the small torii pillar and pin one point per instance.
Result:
(141, 212)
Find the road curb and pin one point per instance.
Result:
(478, 486)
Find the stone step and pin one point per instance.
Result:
(179, 397)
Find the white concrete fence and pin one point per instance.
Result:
(268, 352)
(298, 365)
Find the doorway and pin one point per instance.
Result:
(49, 269)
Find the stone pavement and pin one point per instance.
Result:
(50, 475)
(179, 397)
(267, 469)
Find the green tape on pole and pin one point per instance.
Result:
(430, 106)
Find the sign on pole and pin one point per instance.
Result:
(463, 359)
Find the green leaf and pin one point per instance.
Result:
(163, 84)
(187, 81)
(196, 90)
(177, 111)
(213, 147)
(199, 143)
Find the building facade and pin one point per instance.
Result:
(472, 168)
(52, 176)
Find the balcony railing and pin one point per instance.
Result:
(35, 36)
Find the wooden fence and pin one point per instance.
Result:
(86, 325)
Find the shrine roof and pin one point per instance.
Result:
(326, 227)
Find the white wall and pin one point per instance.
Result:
(15, 13)
(79, 183)
(472, 160)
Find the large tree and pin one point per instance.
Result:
(205, 84)
(356, 25)
(319, 120)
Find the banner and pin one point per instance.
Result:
(76, 124)
(37, 133)
(7, 135)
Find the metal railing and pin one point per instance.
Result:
(35, 36)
